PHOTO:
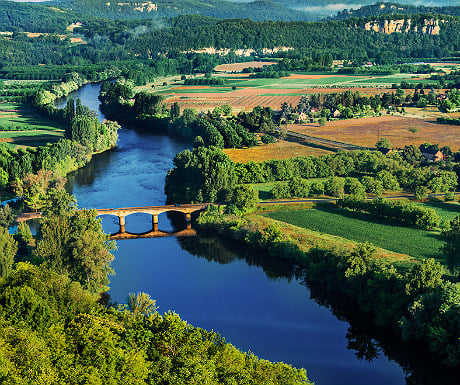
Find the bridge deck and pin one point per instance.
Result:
(124, 211)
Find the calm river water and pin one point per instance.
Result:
(255, 302)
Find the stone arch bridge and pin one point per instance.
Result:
(122, 213)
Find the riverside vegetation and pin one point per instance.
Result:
(56, 327)
(416, 297)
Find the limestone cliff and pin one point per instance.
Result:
(428, 26)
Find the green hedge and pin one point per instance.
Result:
(407, 213)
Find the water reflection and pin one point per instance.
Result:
(367, 342)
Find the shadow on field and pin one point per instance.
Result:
(37, 140)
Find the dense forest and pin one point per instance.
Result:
(256, 10)
(165, 48)
(388, 8)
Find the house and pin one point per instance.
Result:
(432, 154)
(337, 114)
(302, 116)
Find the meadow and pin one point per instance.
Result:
(360, 227)
(21, 125)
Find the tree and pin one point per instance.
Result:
(244, 199)
(354, 188)
(421, 193)
(141, 304)
(58, 202)
(452, 245)
(198, 142)
(33, 187)
(175, 110)
(317, 188)
(383, 143)
(6, 216)
(75, 244)
(70, 110)
(423, 277)
(322, 121)
(8, 250)
(412, 154)
(202, 175)
(335, 187)
(84, 130)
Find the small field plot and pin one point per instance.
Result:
(20, 124)
(278, 150)
(361, 227)
(238, 67)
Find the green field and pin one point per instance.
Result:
(21, 125)
(447, 211)
(361, 227)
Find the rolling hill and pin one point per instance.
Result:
(141, 9)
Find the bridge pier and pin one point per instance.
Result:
(188, 218)
(122, 221)
(154, 222)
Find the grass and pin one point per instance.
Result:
(28, 127)
(264, 190)
(447, 211)
(360, 227)
(279, 150)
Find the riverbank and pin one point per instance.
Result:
(400, 293)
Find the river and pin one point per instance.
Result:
(257, 303)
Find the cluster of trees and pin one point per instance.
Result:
(18, 92)
(212, 130)
(405, 212)
(260, 119)
(350, 104)
(270, 74)
(381, 70)
(405, 168)
(257, 10)
(376, 173)
(60, 157)
(202, 175)
(205, 81)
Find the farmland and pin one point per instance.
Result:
(279, 150)
(244, 93)
(366, 131)
(361, 227)
(22, 125)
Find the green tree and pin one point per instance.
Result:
(421, 193)
(244, 199)
(452, 245)
(6, 216)
(201, 175)
(75, 244)
(8, 250)
(383, 143)
(335, 187)
(141, 304)
(423, 277)
(57, 202)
